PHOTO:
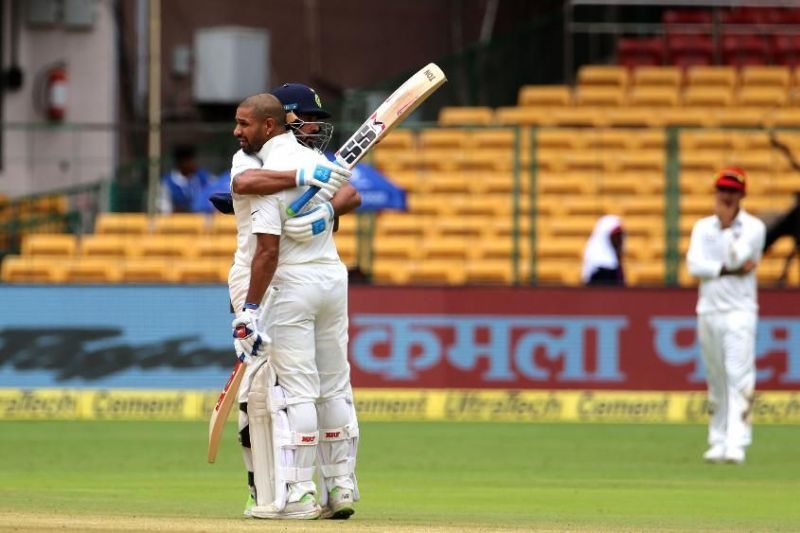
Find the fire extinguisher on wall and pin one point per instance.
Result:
(57, 93)
(52, 101)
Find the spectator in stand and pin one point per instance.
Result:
(602, 257)
(183, 187)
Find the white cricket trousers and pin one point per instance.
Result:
(305, 314)
(727, 345)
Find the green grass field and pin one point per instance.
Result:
(152, 476)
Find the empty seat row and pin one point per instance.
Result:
(674, 76)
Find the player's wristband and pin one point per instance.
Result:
(250, 306)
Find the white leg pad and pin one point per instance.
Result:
(273, 443)
(338, 445)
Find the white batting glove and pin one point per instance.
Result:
(249, 341)
(305, 226)
(323, 174)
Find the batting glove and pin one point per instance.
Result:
(323, 174)
(305, 226)
(249, 341)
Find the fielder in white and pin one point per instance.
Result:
(723, 253)
(292, 290)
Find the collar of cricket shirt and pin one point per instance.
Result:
(279, 140)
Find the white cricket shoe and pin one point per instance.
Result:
(734, 455)
(715, 454)
(304, 509)
(340, 504)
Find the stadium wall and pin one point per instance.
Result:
(516, 353)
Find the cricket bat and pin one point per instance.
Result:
(226, 400)
(390, 113)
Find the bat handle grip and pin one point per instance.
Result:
(298, 204)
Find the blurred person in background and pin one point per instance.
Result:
(602, 256)
(184, 186)
(723, 253)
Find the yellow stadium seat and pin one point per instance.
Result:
(752, 140)
(401, 224)
(145, 270)
(223, 225)
(782, 247)
(486, 159)
(446, 183)
(497, 183)
(696, 206)
(180, 224)
(607, 138)
(641, 161)
(657, 76)
(644, 274)
(506, 226)
(460, 227)
(788, 183)
(784, 117)
(92, 270)
(650, 226)
(347, 246)
(173, 246)
(398, 139)
(524, 116)
(19, 269)
(768, 204)
(711, 76)
(110, 245)
(560, 139)
(603, 75)
(390, 271)
(449, 249)
(766, 76)
(583, 205)
(200, 271)
(216, 246)
(411, 181)
(465, 116)
(494, 248)
(431, 204)
(611, 184)
(545, 95)
(497, 138)
(578, 116)
(740, 117)
(125, 223)
(488, 205)
(691, 116)
(573, 226)
(451, 138)
(558, 272)
(653, 138)
(643, 249)
(601, 96)
(560, 183)
(754, 161)
(707, 96)
(49, 244)
(399, 248)
(649, 97)
(631, 117)
(758, 96)
(643, 205)
(497, 272)
(437, 272)
(708, 161)
(720, 140)
(564, 247)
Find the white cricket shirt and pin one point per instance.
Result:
(266, 214)
(711, 248)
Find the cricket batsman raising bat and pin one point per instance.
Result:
(280, 483)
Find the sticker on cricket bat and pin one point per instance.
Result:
(401, 103)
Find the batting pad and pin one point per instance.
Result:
(273, 443)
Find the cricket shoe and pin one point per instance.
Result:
(715, 454)
(340, 504)
(304, 509)
(248, 507)
(734, 455)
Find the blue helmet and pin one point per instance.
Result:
(299, 98)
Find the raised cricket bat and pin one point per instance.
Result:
(390, 113)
